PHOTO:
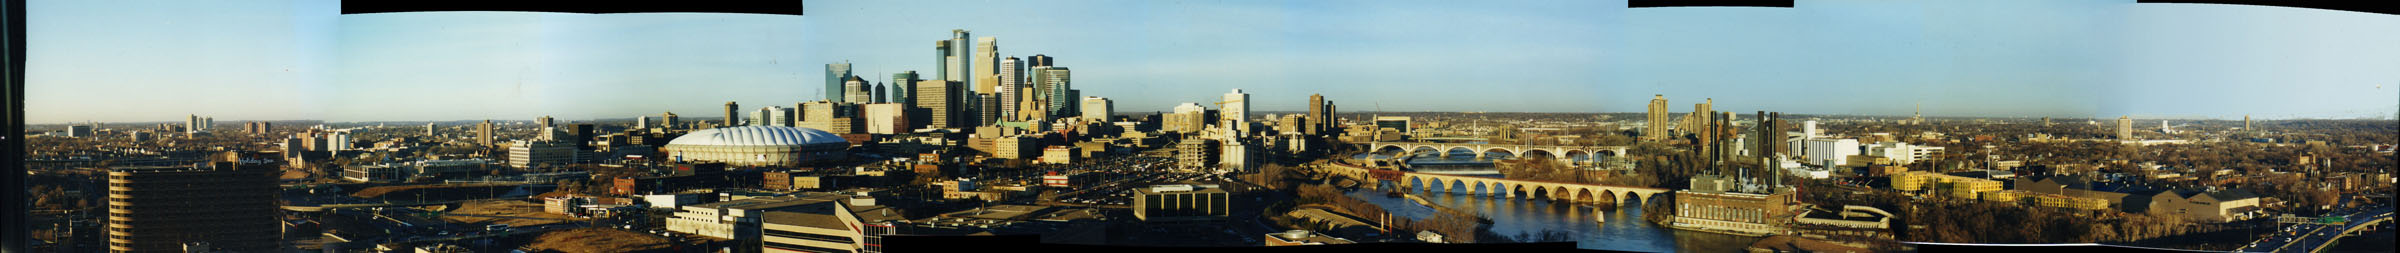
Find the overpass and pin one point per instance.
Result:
(2309, 237)
(1564, 154)
(1498, 187)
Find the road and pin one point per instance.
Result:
(2313, 237)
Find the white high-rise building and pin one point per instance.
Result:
(641, 122)
(1829, 152)
(1011, 78)
(337, 141)
(1808, 130)
(1097, 109)
(777, 115)
(1236, 112)
(193, 125)
(763, 116)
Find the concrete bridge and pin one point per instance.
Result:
(1500, 188)
(1482, 150)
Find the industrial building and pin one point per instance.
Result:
(1179, 202)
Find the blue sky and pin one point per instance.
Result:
(160, 60)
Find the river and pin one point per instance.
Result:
(1624, 230)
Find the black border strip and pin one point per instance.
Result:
(2380, 7)
(1707, 3)
(585, 7)
(15, 237)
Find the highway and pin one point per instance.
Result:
(2317, 237)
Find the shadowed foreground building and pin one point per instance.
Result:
(227, 203)
(1179, 203)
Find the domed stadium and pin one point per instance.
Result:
(757, 146)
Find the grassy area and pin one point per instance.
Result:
(498, 212)
(597, 240)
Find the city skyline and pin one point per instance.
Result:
(303, 61)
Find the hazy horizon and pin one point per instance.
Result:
(301, 60)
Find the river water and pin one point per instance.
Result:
(1624, 229)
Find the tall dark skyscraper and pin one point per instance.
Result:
(906, 87)
(582, 132)
(1038, 60)
(834, 74)
(1060, 83)
(733, 115)
(987, 108)
(941, 100)
(1316, 115)
(879, 96)
(223, 202)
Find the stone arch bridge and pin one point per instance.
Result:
(1564, 154)
(1499, 187)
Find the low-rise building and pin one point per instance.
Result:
(2207, 206)
(1180, 203)
(824, 223)
(1944, 184)
(528, 153)
(1716, 204)
(1069, 180)
(741, 219)
(1061, 155)
(1196, 154)
(1304, 237)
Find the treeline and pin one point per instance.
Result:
(1456, 226)
(1990, 222)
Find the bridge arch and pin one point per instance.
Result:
(1495, 153)
(1544, 154)
(1453, 150)
(1583, 194)
(1420, 150)
(1536, 194)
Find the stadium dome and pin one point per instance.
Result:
(757, 145)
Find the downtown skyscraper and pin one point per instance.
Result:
(1012, 73)
(834, 74)
(1657, 130)
(733, 115)
(1317, 118)
(957, 57)
(987, 65)
(941, 100)
(1057, 86)
(905, 87)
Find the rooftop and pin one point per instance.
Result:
(758, 136)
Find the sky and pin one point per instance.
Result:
(131, 61)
